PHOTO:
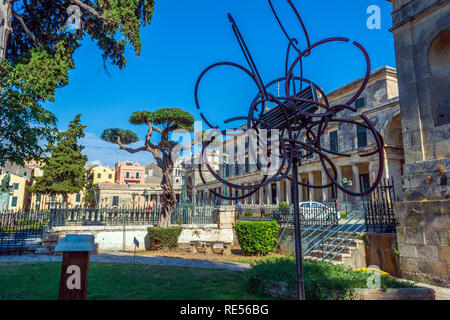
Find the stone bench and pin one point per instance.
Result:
(209, 246)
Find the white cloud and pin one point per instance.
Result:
(105, 153)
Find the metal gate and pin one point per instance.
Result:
(379, 208)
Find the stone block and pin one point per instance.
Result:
(414, 236)
(444, 254)
(436, 237)
(408, 250)
(409, 264)
(428, 252)
(400, 234)
(434, 268)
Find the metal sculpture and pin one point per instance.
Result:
(301, 118)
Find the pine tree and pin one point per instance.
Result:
(64, 170)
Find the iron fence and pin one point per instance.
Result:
(379, 208)
(327, 215)
(183, 213)
(103, 217)
(189, 213)
(20, 231)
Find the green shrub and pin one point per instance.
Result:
(248, 214)
(163, 238)
(284, 208)
(321, 281)
(268, 214)
(257, 237)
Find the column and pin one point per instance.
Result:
(269, 193)
(356, 182)
(288, 191)
(300, 189)
(278, 192)
(324, 190)
(311, 181)
(373, 171)
(339, 193)
(253, 197)
(261, 195)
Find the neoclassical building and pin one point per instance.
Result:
(379, 102)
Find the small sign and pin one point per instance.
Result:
(136, 242)
(76, 250)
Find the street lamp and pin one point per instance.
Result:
(347, 183)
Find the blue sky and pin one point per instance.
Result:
(184, 37)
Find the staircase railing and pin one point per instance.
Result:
(344, 235)
(331, 238)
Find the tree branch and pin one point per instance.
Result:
(130, 150)
(25, 28)
(89, 9)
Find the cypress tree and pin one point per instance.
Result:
(64, 169)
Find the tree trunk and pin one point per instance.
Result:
(5, 25)
(168, 198)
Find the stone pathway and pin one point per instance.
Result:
(122, 257)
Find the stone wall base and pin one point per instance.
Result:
(423, 237)
(381, 251)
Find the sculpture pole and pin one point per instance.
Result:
(298, 234)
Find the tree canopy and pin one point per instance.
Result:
(64, 169)
(36, 54)
(163, 121)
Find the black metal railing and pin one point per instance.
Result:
(324, 216)
(183, 213)
(189, 213)
(379, 208)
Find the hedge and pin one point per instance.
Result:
(257, 237)
(163, 238)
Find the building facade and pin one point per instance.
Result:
(100, 174)
(421, 30)
(19, 196)
(129, 172)
(379, 102)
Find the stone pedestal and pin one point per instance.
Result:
(227, 219)
(226, 216)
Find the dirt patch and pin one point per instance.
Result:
(236, 255)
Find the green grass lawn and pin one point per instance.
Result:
(33, 281)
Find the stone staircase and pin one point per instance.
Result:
(339, 247)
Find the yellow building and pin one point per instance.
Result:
(102, 174)
(40, 201)
(18, 200)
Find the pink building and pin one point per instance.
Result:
(129, 172)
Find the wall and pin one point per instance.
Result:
(421, 32)
(111, 238)
(380, 251)
(115, 238)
